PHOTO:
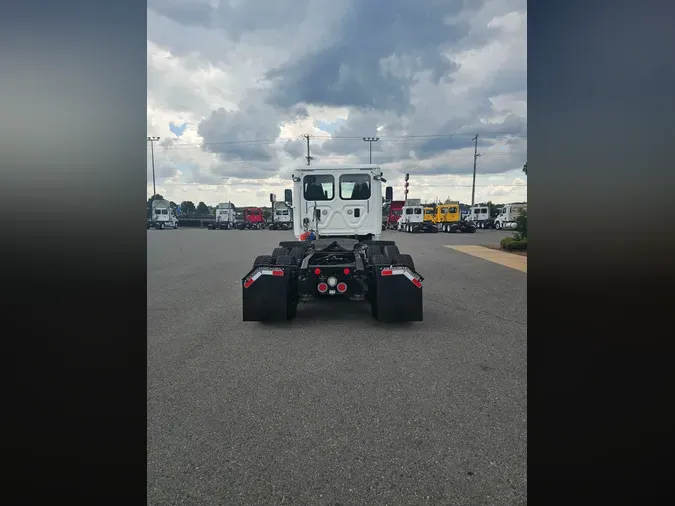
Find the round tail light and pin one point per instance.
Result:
(347, 271)
(342, 287)
(322, 287)
(317, 271)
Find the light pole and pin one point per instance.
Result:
(152, 149)
(370, 141)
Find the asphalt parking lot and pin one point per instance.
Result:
(334, 407)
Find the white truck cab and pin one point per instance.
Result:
(162, 215)
(479, 215)
(411, 216)
(506, 219)
(338, 201)
(282, 218)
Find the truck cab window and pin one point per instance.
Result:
(408, 211)
(418, 211)
(318, 187)
(444, 210)
(355, 187)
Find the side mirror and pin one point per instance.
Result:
(288, 196)
(389, 193)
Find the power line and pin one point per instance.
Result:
(398, 138)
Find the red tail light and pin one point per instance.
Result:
(317, 271)
(387, 272)
(277, 273)
(347, 271)
(342, 287)
(322, 287)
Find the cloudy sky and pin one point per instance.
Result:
(233, 85)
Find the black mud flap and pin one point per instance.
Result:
(268, 295)
(398, 295)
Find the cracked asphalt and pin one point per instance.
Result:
(334, 407)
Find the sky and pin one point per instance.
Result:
(234, 85)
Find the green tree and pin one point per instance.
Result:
(521, 231)
(187, 207)
(525, 168)
(202, 208)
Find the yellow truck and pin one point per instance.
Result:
(429, 215)
(446, 215)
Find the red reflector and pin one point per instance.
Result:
(322, 287)
(347, 271)
(248, 282)
(417, 283)
(317, 271)
(387, 272)
(277, 273)
(342, 287)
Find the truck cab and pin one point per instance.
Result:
(479, 215)
(282, 219)
(412, 220)
(338, 201)
(508, 214)
(446, 215)
(163, 215)
(225, 217)
(429, 214)
(253, 218)
(394, 213)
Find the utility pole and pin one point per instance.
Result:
(475, 157)
(370, 141)
(306, 136)
(152, 149)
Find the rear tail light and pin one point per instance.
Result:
(342, 287)
(387, 272)
(322, 287)
(317, 271)
(346, 271)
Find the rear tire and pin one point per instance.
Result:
(285, 260)
(263, 260)
(404, 259)
(379, 259)
(391, 251)
(279, 252)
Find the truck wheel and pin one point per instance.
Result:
(498, 225)
(378, 259)
(161, 226)
(286, 260)
(406, 260)
(279, 252)
(298, 254)
(391, 251)
(263, 260)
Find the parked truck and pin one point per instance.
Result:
(412, 220)
(252, 219)
(508, 214)
(394, 212)
(479, 215)
(282, 217)
(449, 219)
(162, 216)
(337, 222)
(225, 217)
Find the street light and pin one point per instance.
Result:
(370, 141)
(152, 149)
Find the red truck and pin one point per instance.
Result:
(253, 219)
(394, 214)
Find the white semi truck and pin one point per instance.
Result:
(225, 217)
(162, 216)
(282, 217)
(337, 221)
(509, 213)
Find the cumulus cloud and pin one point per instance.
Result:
(245, 80)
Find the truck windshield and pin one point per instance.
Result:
(452, 210)
(355, 187)
(418, 211)
(444, 210)
(320, 187)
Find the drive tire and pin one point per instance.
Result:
(285, 260)
(379, 260)
(264, 260)
(278, 252)
(405, 259)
